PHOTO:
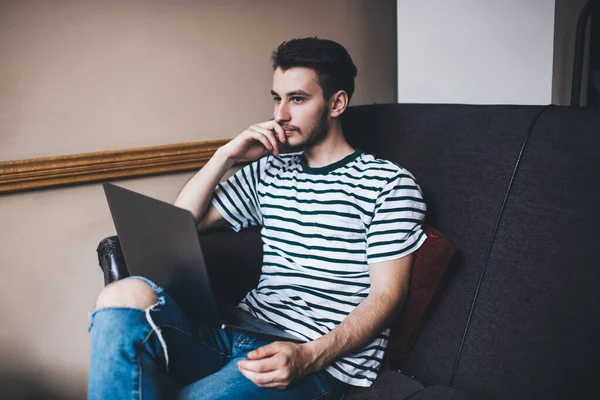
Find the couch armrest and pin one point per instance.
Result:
(233, 261)
(111, 260)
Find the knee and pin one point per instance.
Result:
(131, 293)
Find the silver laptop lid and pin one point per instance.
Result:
(160, 242)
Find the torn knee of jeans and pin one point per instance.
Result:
(156, 329)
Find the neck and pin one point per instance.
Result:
(331, 149)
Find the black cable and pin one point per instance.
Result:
(489, 251)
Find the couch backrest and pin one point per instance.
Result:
(528, 327)
(535, 330)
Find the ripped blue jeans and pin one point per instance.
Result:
(160, 353)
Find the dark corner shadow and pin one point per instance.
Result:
(19, 386)
(23, 380)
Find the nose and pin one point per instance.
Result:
(281, 112)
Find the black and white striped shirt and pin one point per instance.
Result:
(321, 228)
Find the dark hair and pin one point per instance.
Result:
(329, 59)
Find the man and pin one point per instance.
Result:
(339, 229)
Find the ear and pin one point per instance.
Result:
(339, 103)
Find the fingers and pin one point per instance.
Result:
(270, 137)
(272, 125)
(260, 137)
(273, 379)
(268, 133)
(270, 366)
(265, 351)
(261, 366)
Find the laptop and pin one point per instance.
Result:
(160, 242)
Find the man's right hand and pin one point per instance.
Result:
(250, 145)
(255, 142)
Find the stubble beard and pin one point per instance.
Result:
(315, 135)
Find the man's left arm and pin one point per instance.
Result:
(279, 364)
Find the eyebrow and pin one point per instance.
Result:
(293, 93)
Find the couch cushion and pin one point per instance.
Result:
(389, 385)
(429, 266)
(463, 157)
(440, 392)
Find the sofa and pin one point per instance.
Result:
(516, 190)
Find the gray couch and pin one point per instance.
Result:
(516, 189)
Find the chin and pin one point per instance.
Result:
(294, 145)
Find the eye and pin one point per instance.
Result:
(297, 100)
(277, 99)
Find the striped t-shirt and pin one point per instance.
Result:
(321, 228)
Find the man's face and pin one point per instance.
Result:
(300, 107)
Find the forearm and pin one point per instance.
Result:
(368, 319)
(197, 193)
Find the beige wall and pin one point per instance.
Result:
(79, 76)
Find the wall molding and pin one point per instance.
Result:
(77, 169)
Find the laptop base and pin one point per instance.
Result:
(243, 321)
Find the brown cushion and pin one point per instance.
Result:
(426, 281)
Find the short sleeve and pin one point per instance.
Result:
(395, 230)
(236, 198)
